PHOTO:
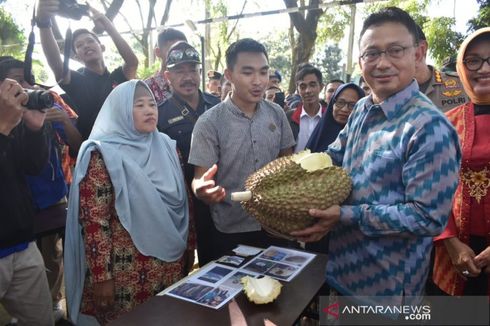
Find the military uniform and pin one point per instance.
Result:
(446, 91)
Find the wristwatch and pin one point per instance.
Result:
(45, 23)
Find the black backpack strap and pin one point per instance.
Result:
(28, 76)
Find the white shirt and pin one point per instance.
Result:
(307, 124)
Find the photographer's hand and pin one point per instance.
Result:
(101, 22)
(56, 115)
(34, 119)
(47, 9)
(12, 96)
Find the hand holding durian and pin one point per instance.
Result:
(290, 193)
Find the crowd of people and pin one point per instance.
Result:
(144, 169)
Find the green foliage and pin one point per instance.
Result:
(39, 71)
(415, 8)
(10, 34)
(328, 62)
(145, 72)
(279, 52)
(443, 40)
(333, 24)
(483, 17)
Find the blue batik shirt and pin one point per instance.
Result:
(403, 156)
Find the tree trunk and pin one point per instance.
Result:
(303, 46)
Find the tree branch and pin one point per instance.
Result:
(166, 13)
(236, 21)
(110, 12)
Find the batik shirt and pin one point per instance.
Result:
(403, 157)
(159, 87)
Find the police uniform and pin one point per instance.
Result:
(446, 91)
(177, 119)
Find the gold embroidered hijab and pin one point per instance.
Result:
(462, 71)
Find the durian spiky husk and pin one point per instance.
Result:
(284, 190)
(261, 290)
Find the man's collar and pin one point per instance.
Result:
(393, 105)
(304, 113)
(87, 71)
(236, 110)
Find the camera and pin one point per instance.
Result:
(72, 9)
(39, 100)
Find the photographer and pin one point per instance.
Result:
(89, 86)
(24, 288)
(49, 187)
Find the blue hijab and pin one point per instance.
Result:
(327, 130)
(150, 193)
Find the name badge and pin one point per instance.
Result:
(176, 119)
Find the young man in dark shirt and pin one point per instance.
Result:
(89, 86)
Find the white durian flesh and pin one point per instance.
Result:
(261, 290)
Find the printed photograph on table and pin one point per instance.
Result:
(234, 280)
(212, 287)
(231, 260)
(296, 260)
(280, 263)
(192, 291)
(281, 271)
(259, 265)
(216, 297)
(274, 254)
(215, 274)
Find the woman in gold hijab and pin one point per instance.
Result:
(462, 261)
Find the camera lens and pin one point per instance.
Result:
(39, 100)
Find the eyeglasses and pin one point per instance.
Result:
(341, 103)
(475, 63)
(393, 52)
(178, 54)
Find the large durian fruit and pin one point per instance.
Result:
(280, 194)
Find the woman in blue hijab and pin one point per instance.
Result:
(335, 118)
(326, 131)
(128, 215)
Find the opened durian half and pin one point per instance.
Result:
(261, 290)
(280, 194)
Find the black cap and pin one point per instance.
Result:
(181, 52)
(214, 75)
(276, 74)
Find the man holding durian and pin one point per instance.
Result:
(403, 157)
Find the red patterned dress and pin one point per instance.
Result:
(111, 254)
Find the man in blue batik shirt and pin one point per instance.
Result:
(403, 157)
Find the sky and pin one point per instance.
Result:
(255, 27)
